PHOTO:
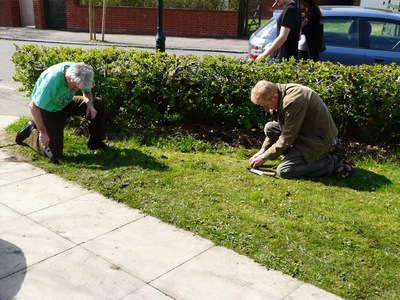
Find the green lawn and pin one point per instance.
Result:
(340, 234)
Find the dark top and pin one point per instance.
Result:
(311, 28)
(290, 18)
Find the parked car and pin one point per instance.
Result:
(353, 35)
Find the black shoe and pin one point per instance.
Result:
(25, 132)
(96, 144)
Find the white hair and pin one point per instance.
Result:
(81, 74)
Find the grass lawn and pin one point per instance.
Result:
(340, 234)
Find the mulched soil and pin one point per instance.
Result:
(235, 137)
(220, 135)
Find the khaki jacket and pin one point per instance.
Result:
(305, 123)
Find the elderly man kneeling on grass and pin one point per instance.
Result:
(303, 131)
(53, 101)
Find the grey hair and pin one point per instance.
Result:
(81, 74)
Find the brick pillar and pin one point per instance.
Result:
(40, 17)
(10, 14)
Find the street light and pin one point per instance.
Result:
(160, 37)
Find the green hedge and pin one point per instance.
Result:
(142, 86)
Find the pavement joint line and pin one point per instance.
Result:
(112, 230)
(114, 265)
(184, 262)
(42, 260)
(22, 180)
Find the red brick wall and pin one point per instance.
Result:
(177, 22)
(9, 13)
(40, 20)
(200, 23)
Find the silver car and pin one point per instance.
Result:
(353, 35)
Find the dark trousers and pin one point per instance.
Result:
(314, 55)
(294, 164)
(55, 123)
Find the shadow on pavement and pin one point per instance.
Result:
(12, 270)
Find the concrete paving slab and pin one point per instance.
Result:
(7, 120)
(86, 217)
(74, 274)
(7, 214)
(14, 172)
(4, 154)
(13, 102)
(220, 274)
(148, 248)
(40, 191)
(147, 293)
(36, 243)
(310, 292)
(4, 122)
(11, 257)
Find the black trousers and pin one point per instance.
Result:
(55, 123)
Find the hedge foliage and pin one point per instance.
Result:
(154, 88)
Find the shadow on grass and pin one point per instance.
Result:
(360, 180)
(114, 158)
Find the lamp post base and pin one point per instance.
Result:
(160, 41)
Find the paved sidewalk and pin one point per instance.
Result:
(61, 241)
(239, 46)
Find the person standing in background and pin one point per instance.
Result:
(311, 30)
(286, 42)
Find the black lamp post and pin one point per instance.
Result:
(160, 37)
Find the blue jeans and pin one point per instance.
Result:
(294, 165)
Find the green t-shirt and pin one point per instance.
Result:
(51, 91)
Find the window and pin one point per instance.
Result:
(341, 32)
(385, 35)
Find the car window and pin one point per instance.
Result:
(265, 31)
(341, 32)
(385, 35)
